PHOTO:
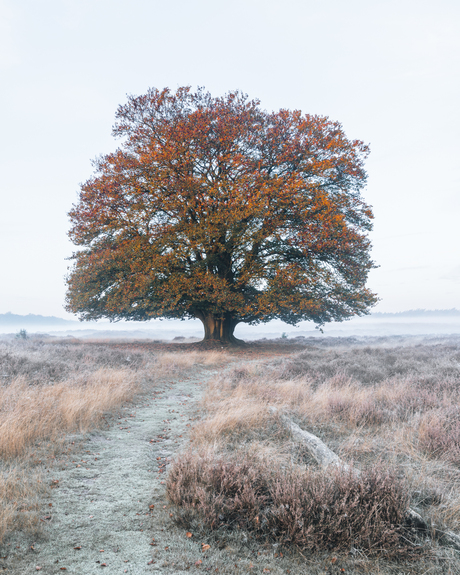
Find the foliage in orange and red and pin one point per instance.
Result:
(215, 209)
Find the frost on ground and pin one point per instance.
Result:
(104, 506)
(99, 510)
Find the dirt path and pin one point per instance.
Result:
(98, 516)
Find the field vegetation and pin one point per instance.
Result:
(389, 407)
(52, 392)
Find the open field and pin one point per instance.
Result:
(51, 390)
(233, 477)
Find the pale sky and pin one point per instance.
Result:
(387, 70)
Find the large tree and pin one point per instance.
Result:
(216, 209)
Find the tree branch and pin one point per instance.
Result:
(326, 457)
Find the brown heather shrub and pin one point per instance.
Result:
(312, 510)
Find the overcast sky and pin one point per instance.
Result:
(387, 70)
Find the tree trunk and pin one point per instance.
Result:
(219, 329)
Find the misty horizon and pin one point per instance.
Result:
(406, 323)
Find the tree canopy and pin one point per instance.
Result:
(216, 209)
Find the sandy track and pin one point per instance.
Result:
(99, 518)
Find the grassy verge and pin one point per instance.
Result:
(51, 389)
(390, 410)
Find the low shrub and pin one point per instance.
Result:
(312, 510)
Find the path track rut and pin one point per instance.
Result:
(98, 516)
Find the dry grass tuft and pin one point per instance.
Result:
(175, 362)
(19, 499)
(439, 433)
(31, 413)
